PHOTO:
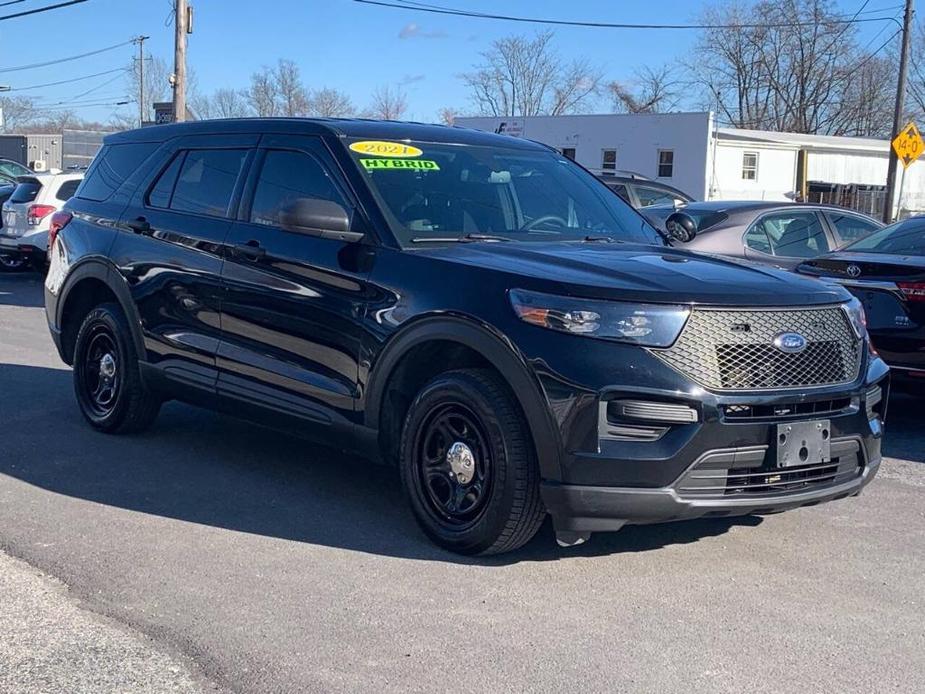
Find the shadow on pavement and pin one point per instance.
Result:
(22, 289)
(903, 438)
(201, 467)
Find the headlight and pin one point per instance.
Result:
(651, 325)
(857, 317)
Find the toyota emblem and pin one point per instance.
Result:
(853, 270)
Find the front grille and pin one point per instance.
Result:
(726, 349)
(755, 474)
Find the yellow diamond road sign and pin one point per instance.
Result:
(908, 144)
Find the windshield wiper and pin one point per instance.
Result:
(467, 238)
(598, 239)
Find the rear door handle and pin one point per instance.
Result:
(139, 225)
(252, 250)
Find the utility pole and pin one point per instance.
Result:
(898, 110)
(140, 40)
(182, 28)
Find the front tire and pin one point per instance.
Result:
(468, 466)
(107, 381)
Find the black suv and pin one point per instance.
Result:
(475, 309)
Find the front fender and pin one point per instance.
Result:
(495, 348)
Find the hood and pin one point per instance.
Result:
(642, 273)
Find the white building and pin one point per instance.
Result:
(688, 151)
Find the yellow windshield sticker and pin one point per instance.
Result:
(413, 164)
(385, 149)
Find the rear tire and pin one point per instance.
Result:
(468, 466)
(107, 380)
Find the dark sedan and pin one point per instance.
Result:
(777, 233)
(886, 271)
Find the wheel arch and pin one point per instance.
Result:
(90, 283)
(478, 345)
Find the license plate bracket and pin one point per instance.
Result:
(804, 443)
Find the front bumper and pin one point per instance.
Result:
(725, 463)
(584, 509)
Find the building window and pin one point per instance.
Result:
(609, 160)
(750, 166)
(665, 163)
(568, 153)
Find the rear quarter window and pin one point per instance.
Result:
(111, 167)
(67, 189)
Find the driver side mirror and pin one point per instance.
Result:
(681, 227)
(316, 217)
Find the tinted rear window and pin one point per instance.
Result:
(111, 167)
(26, 192)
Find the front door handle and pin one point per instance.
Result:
(252, 250)
(139, 225)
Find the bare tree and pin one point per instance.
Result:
(448, 115)
(262, 94)
(521, 76)
(222, 103)
(18, 112)
(291, 92)
(785, 65)
(652, 90)
(157, 83)
(330, 103)
(388, 103)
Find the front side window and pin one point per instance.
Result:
(444, 191)
(665, 163)
(207, 180)
(903, 238)
(794, 234)
(609, 160)
(851, 227)
(285, 177)
(750, 166)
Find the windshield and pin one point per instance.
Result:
(903, 238)
(438, 192)
(12, 169)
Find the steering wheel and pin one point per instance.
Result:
(529, 226)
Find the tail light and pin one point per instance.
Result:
(36, 213)
(59, 220)
(913, 291)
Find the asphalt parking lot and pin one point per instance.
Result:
(265, 563)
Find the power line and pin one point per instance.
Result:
(64, 60)
(11, 2)
(436, 9)
(99, 86)
(37, 10)
(74, 79)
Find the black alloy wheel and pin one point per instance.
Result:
(100, 371)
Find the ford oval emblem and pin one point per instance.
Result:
(791, 343)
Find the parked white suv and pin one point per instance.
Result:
(27, 216)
